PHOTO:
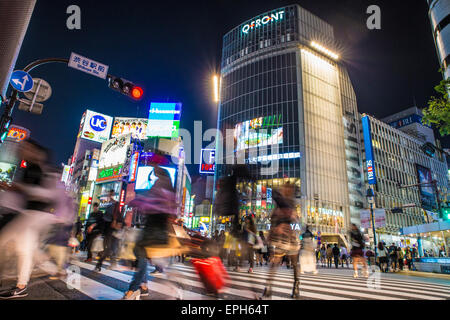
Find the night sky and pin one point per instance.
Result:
(172, 48)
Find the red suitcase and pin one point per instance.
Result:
(212, 273)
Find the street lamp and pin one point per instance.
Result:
(371, 199)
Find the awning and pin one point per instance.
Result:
(429, 227)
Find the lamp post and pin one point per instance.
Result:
(371, 199)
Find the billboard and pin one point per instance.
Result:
(207, 161)
(17, 134)
(380, 218)
(136, 126)
(114, 151)
(370, 165)
(95, 126)
(65, 174)
(164, 119)
(426, 192)
(7, 172)
(146, 178)
(258, 132)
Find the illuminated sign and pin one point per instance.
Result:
(371, 177)
(95, 126)
(258, 132)
(17, 134)
(7, 172)
(65, 174)
(164, 119)
(207, 161)
(114, 151)
(133, 169)
(262, 21)
(122, 200)
(136, 126)
(146, 177)
(110, 173)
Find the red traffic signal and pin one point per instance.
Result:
(137, 92)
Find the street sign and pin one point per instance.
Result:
(27, 105)
(21, 81)
(365, 219)
(380, 218)
(87, 65)
(41, 89)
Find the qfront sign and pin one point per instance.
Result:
(263, 21)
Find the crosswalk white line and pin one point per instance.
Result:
(152, 286)
(391, 294)
(440, 290)
(97, 290)
(243, 283)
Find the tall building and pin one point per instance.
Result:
(410, 122)
(399, 159)
(14, 19)
(439, 13)
(288, 109)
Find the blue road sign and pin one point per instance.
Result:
(21, 81)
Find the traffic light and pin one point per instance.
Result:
(125, 87)
(446, 213)
(428, 149)
(5, 122)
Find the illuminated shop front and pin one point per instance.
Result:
(292, 109)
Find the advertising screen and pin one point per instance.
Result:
(258, 132)
(65, 174)
(146, 178)
(96, 126)
(164, 119)
(7, 172)
(426, 192)
(114, 151)
(136, 126)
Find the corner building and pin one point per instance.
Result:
(286, 99)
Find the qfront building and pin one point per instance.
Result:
(288, 110)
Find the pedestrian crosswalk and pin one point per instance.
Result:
(111, 285)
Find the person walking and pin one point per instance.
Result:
(284, 240)
(250, 236)
(329, 255)
(344, 256)
(400, 257)
(357, 252)
(383, 254)
(393, 257)
(94, 227)
(336, 254)
(408, 256)
(307, 258)
(261, 253)
(158, 205)
(113, 222)
(323, 255)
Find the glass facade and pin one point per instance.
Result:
(282, 112)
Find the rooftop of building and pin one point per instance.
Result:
(402, 114)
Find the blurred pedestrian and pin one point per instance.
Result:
(283, 238)
(113, 222)
(155, 242)
(400, 257)
(393, 257)
(408, 256)
(357, 253)
(37, 187)
(261, 253)
(323, 255)
(344, 256)
(329, 255)
(307, 258)
(94, 228)
(383, 255)
(336, 254)
(250, 236)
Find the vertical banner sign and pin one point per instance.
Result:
(380, 218)
(365, 219)
(370, 165)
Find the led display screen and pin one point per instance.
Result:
(426, 192)
(136, 126)
(164, 119)
(146, 178)
(258, 132)
(7, 172)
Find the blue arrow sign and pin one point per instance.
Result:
(21, 81)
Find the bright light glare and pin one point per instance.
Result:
(216, 88)
(324, 50)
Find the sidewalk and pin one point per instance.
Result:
(425, 274)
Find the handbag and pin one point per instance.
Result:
(97, 244)
(73, 242)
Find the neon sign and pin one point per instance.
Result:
(262, 21)
(110, 173)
